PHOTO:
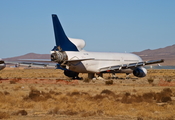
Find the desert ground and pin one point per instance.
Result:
(46, 94)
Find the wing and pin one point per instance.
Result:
(130, 65)
(32, 64)
(43, 62)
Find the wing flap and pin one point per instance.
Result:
(130, 65)
(79, 60)
(154, 61)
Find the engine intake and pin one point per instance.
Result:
(59, 57)
(140, 72)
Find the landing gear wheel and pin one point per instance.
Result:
(127, 75)
(73, 75)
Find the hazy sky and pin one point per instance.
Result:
(105, 25)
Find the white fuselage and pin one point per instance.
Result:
(101, 59)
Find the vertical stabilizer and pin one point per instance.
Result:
(62, 41)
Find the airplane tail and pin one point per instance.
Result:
(62, 41)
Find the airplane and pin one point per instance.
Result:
(2, 64)
(69, 55)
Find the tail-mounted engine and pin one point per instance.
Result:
(59, 57)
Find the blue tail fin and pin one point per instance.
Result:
(61, 39)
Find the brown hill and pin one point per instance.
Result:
(167, 53)
(29, 56)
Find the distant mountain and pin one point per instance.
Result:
(167, 53)
(29, 56)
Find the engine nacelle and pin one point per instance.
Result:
(140, 72)
(2, 64)
(59, 57)
(79, 43)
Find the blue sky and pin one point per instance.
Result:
(108, 25)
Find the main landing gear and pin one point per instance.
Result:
(73, 75)
(99, 76)
(113, 76)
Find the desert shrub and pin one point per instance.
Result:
(87, 80)
(66, 112)
(87, 114)
(148, 97)
(125, 98)
(168, 80)
(107, 92)
(98, 97)
(54, 111)
(12, 82)
(1, 93)
(162, 98)
(134, 90)
(85, 93)
(136, 99)
(55, 93)
(164, 95)
(20, 112)
(166, 99)
(17, 87)
(37, 95)
(139, 118)
(167, 91)
(6, 93)
(75, 93)
(150, 80)
(18, 78)
(109, 82)
(4, 115)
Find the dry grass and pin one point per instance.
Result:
(124, 99)
(4, 115)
